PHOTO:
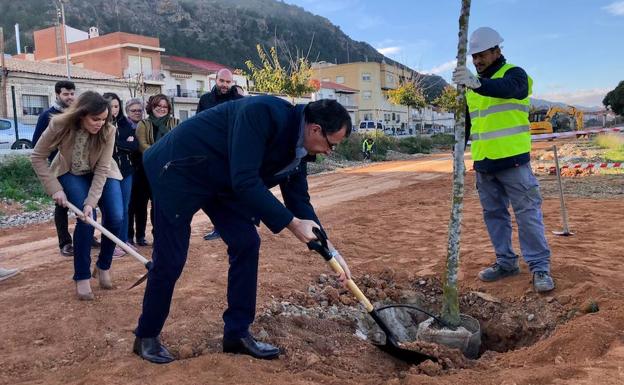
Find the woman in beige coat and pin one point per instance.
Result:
(83, 173)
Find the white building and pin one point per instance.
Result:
(187, 79)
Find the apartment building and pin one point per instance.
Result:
(373, 80)
(347, 96)
(120, 54)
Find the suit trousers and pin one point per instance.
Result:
(171, 243)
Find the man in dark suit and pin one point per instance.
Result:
(224, 161)
(224, 91)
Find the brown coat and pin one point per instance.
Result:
(100, 161)
(145, 132)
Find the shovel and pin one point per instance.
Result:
(392, 345)
(118, 242)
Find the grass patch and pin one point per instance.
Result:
(19, 182)
(614, 144)
(443, 140)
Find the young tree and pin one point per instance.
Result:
(272, 77)
(450, 304)
(407, 94)
(448, 100)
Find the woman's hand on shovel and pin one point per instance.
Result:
(60, 198)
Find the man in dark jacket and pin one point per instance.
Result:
(497, 124)
(223, 91)
(64, 91)
(224, 161)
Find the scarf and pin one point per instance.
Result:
(160, 126)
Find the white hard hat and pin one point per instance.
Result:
(483, 38)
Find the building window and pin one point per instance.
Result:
(367, 95)
(138, 64)
(200, 85)
(184, 114)
(366, 76)
(34, 104)
(389, 78)
(340, 79)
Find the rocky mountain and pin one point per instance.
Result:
(225, 31)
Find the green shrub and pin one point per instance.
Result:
(351, 148)
(382, 144)
(18, 180)
(415, 145)
(443, 140)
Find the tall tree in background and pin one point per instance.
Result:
(272, 77)
(450, 303)
(407, 94)
(615, 99)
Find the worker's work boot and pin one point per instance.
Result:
(496, 272)
(543, 282)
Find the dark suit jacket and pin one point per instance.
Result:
(231, 154)
(213, 98)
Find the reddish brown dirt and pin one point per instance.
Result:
(386, 217)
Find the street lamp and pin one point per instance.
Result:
(62, 15)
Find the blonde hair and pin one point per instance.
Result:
(88, 103)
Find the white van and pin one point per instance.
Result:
(369, 125)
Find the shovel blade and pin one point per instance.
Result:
(148, 266)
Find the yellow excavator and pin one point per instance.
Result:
(542, 120)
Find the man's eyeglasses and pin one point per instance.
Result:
(332, 146)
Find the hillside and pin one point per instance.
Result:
(225, 31)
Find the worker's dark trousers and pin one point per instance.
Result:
(171, 244)
(62, 225)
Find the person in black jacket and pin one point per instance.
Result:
(224, 161)
(223, 91)
(65, 97)
(125, 145)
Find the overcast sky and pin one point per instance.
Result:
(572, 49)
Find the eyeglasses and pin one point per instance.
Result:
(330, 145)
(162, 107)
(135, 111)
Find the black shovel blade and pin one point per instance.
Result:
(148, 266)
(393, 347)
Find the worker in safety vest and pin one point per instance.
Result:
(367, 148)
(497, 124)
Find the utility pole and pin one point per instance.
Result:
(65, 38)
(3, 95)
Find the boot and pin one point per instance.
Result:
(83, 290)
(104, 278)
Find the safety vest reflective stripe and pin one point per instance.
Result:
(499, 108)
(500, 133)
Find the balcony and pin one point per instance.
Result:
(150, 77)
(183, 93)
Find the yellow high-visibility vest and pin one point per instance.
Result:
(499, 127)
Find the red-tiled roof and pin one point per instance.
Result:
(167, 62)
(205, 64)
(53, 69)
(338, 87)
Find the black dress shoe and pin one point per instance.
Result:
(248, 345)
(152, 350)
(142, 242)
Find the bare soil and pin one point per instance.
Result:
(390, 221)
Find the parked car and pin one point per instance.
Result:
(7, 135)
(369, 125)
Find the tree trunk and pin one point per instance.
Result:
(450, 304)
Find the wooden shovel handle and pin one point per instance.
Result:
(108, 234)
(351, 286)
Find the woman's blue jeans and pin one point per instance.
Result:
(126, 190)
(76, 187)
